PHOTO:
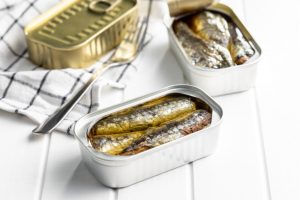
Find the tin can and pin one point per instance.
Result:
(122, 171)
(76, 33)
(217, 81)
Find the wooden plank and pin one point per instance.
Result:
(175, 184)
(236, 170)
(66, 175)
(275, 25)
(23, 156)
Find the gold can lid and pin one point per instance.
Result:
(179, 7)
(75, 22)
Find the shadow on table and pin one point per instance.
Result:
(26, 124)
(34, 138)
(83, 184)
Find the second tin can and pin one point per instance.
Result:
(217, 81)
(76, 33)
(122, 171)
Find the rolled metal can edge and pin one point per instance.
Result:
(229, 78)
(121, 171)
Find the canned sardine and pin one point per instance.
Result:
(149, 125)
(199, 140)
(210, 40)
(214, 49)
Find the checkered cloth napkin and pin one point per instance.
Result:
(36, 92)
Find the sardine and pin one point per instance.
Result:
(114, 144)
(240, 49)
(169, 131)
(202, 52)
(141, 118)
(211, 26)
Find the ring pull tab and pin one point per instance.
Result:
(110, 4)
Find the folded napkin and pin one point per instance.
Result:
(36, 92)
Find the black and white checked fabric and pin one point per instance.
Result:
(34, 91)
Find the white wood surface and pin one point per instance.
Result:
(237, 168)
(258, 153)
(23, 157)
(276, 25)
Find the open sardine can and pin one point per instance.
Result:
(220, 81)
(121, 171)
(76, 33)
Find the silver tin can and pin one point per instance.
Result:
(217, 81)
(122, 171)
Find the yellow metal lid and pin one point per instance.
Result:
(73, 23)
(179, 7)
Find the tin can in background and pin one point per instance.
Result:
(76, 33)
(214, 81)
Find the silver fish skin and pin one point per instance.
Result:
(145, 116)
(211, 26)
(201, 52)
(115, 143)
(169, 131)
(240, 49)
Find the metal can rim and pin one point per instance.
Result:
(216, 7)
(120, 160)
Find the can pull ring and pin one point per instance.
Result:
(111, 4)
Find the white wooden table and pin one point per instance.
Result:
(258, 156)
